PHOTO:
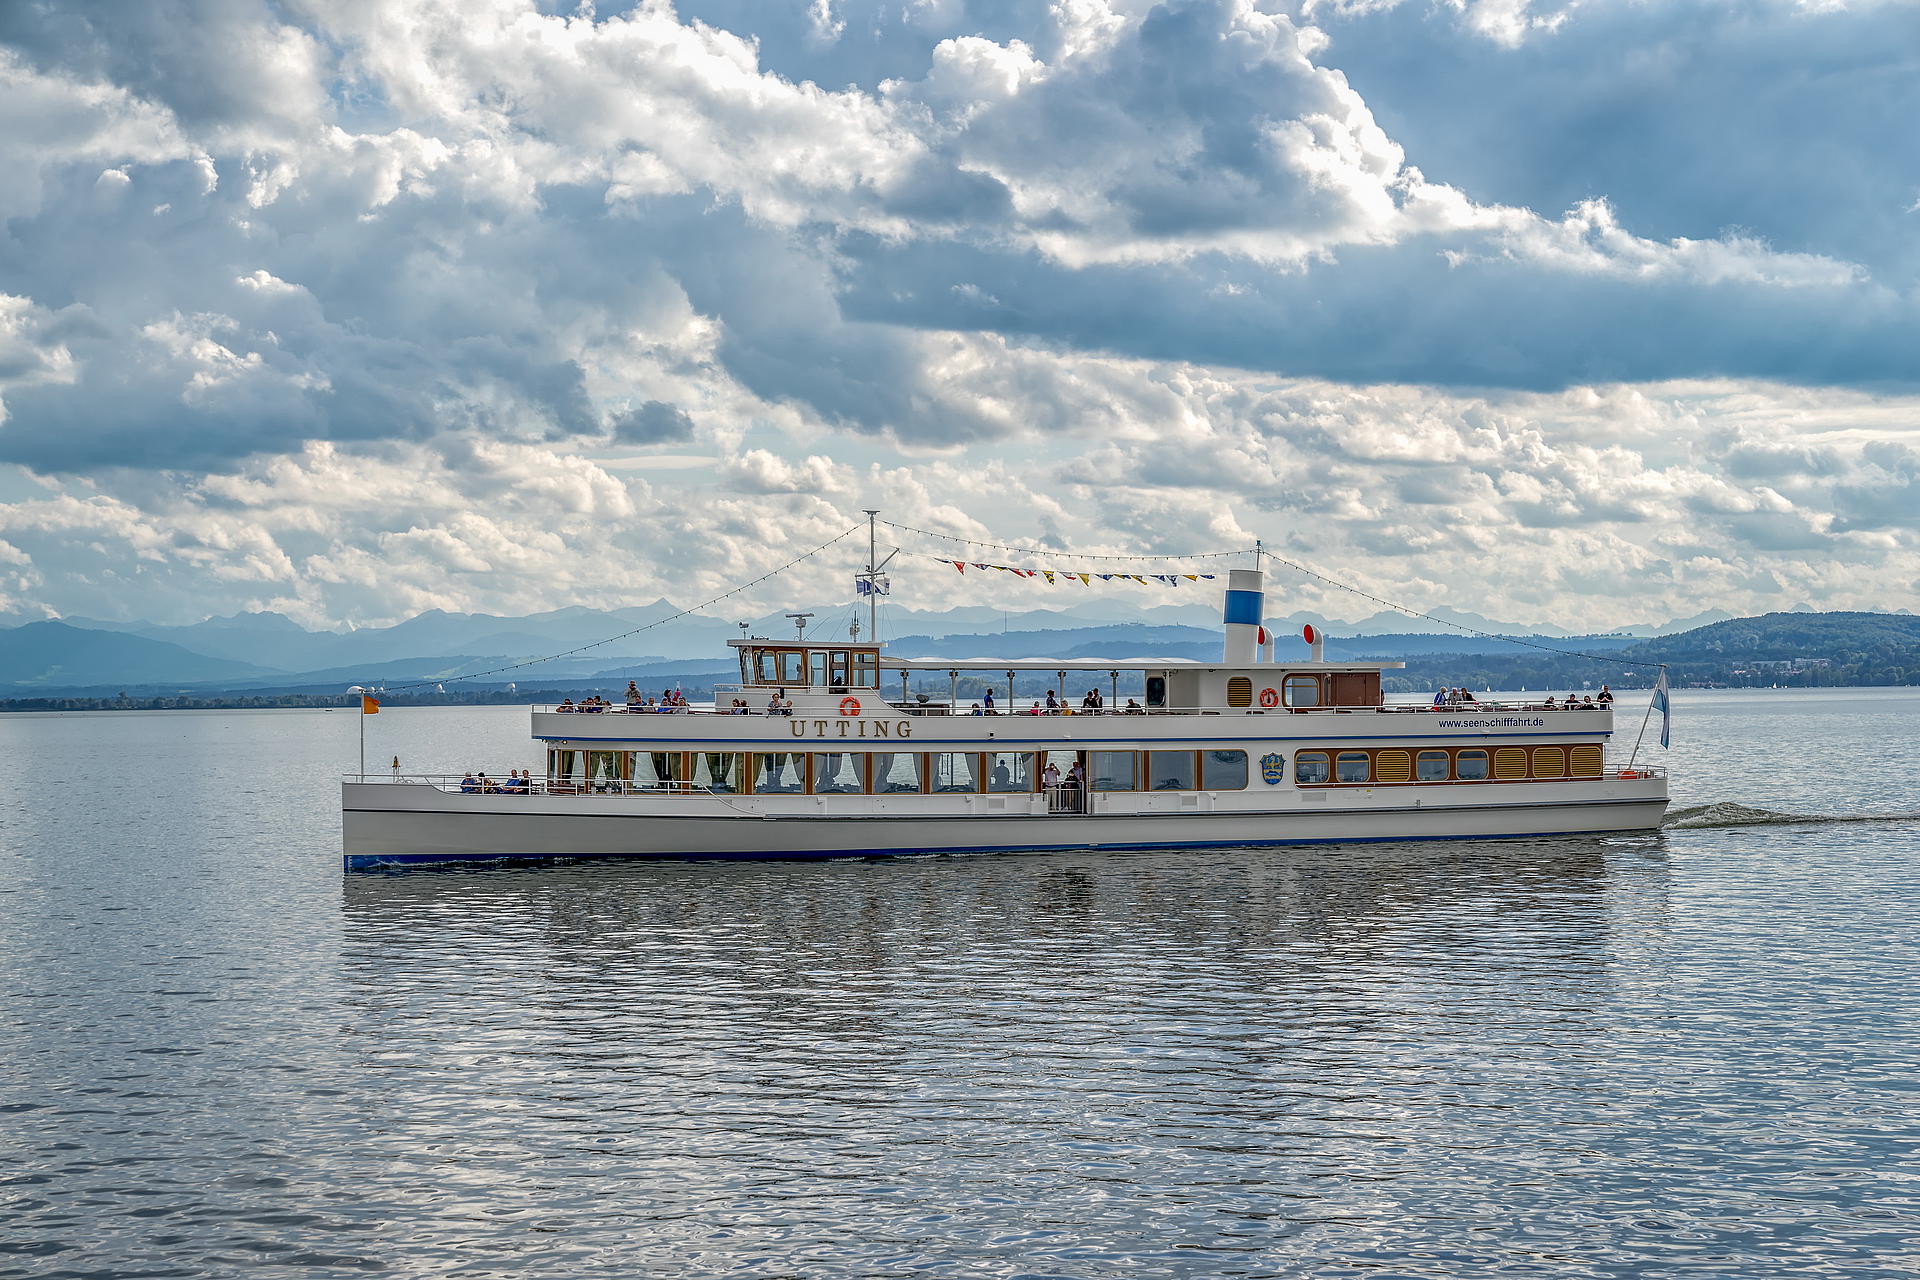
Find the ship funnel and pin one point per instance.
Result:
(1246, 600)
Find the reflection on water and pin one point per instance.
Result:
(1063, 1064)
(1690, 1052)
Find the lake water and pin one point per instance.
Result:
(1691, 1053)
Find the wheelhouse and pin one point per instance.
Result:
(835, 667)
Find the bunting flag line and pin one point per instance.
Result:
(1058, 576)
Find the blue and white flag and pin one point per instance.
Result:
(1664, 706)
(877, 585)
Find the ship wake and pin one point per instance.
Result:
(1727, 814)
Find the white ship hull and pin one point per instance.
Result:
(396, 825)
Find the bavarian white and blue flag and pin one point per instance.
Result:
(1664, 706)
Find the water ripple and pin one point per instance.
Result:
(1687, 1053)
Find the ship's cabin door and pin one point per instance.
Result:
(1069, 794)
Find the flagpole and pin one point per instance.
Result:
(1648, 716)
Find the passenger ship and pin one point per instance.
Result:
(1245, 751)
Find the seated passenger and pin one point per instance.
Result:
(1551, 704)
(1134, 708)
(1466, 696)
(469, 785)
(976, 710)
(566, 704)
(1053, 708)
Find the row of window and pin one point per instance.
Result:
(1011, 772)
(891, 772)
(1445, 764)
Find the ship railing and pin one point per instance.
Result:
(1068, 798)
(569, 786)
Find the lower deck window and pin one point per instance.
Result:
(1223, 770)
(718, 772)
(953, 771)
(1111, 770)
(896, 772)
(1353, 766)
(1430, 766)
(1470, 766)
(1311, 767)
(1170, 771)
(839, 773)
(1009, 772)
(779, 773)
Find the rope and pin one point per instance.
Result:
(1057, 554)
(568, 653)
(1315, 574)
(1297, 567)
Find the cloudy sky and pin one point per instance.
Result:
(1574, 312)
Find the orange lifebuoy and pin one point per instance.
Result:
(1269, 698)
(849, 706)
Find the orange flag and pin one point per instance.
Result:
(368, 707)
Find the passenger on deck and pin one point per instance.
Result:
(1050, 776)
(976, 710)
(1134, 708)
(1606, 697)
(1466, 696)
(1551, 705)
(989, 704)
(1442, 698)
(1053, 707)
(469, 785)
(566, 704)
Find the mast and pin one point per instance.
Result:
(873, 569)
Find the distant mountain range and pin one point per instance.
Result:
(267, 651)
